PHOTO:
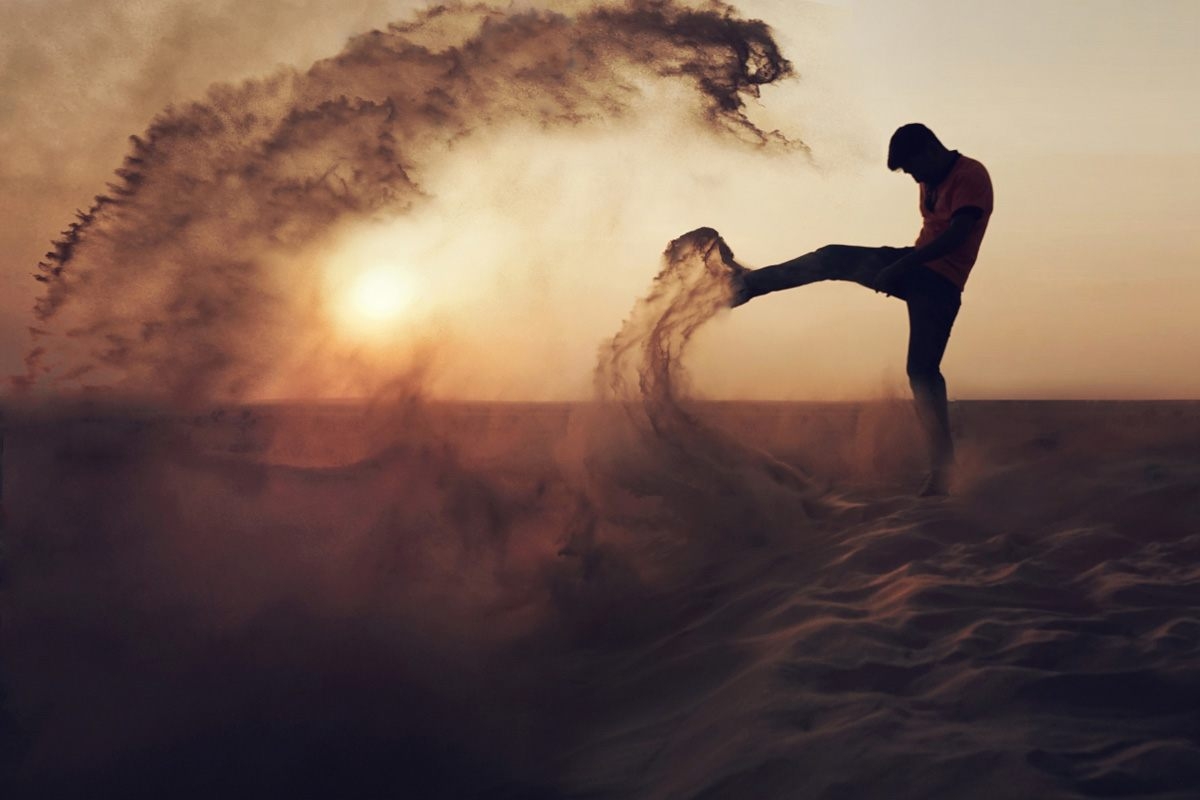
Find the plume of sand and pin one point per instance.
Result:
(169, 284)
(650, 464)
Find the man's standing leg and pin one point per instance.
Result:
(933, 304)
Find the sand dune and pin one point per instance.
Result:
(284, 599)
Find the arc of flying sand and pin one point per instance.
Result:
(692, 287)
(216, 191)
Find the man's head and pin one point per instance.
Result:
(915, 149)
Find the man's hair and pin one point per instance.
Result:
(907, 141)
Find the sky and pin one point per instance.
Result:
(1087, 114)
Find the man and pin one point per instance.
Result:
(956, 203)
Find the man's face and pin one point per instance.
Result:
(922, 165)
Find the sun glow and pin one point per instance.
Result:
(377, 286)
(377, 301)
(381, 295)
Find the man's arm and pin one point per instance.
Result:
(951, 239)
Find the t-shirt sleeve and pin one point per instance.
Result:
(972, 190)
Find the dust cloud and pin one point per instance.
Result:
(352, 599)
(193, 274)
(203, 596)
(390, 596)
(645, 450)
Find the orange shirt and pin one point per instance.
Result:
(966, 186)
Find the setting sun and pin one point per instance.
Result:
(376, 301)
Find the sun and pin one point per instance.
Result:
(376, 301)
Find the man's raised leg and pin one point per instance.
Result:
(835, 262)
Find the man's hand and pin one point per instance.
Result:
(889, 278)
(964, 219)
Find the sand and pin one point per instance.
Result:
(393, 602)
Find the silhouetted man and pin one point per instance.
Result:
(956, 203)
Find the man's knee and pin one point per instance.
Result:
(836, 250)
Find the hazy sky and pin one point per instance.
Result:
(1087, 114)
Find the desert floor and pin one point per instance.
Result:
(427, 600)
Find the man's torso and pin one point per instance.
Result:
(966, 186)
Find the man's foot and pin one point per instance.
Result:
(739, 292)
(936, 485)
